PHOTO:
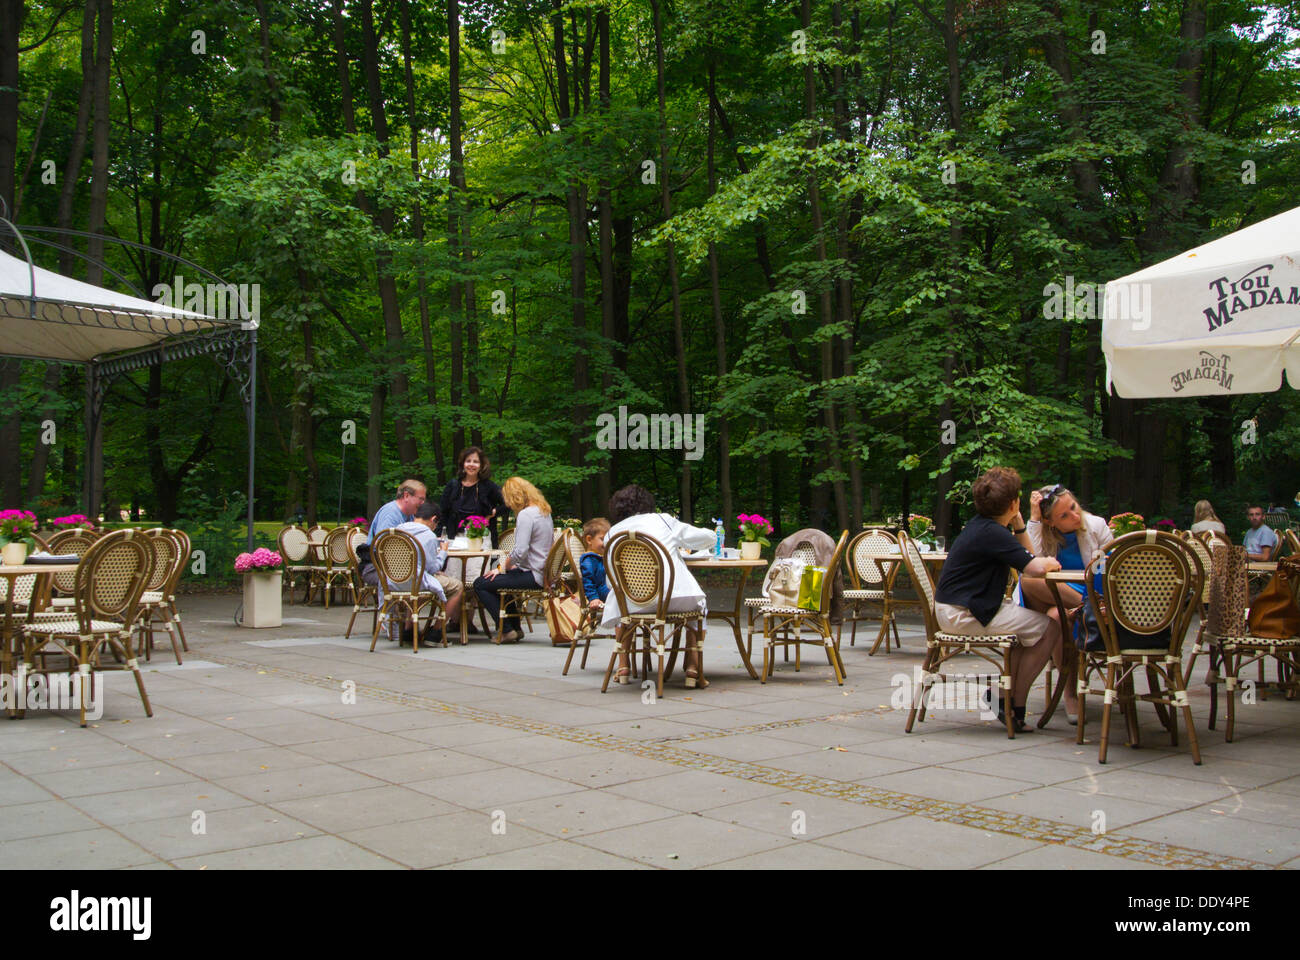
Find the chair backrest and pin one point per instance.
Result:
(1278, 520)
(639, 570)
(556, 557)
(70, 542)
(828, 581)
(111, 577)
(356, 536)
(400, 561)
(804, 552)
(165, 557)
(868, 544)
(507, 540)
(294, 544)
(1151, 583)
(573, 553)
(336, 546)
(1293, 541)
(1212, 539)
(316, 534)
(916, 571)
(1202, 553)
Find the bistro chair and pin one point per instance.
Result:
(110, 579)
(184, 545)
(806, 553)
(640, 574)
(295, 551)
(336, 570)
(1198, 547)
(941, 646)
(67, 543)
(518, 599)
(156, 601)
(783, 626)
(1151, 585)
(588, 617)
(362, 592)
(528, 607)
(399, 561)
(872, 589)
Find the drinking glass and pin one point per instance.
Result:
(940, 544)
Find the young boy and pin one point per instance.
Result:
(593, 562)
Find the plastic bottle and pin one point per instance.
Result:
(722, 536)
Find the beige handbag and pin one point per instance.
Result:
(562, 615)
(781, 586)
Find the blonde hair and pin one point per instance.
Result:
(1204, 511)
(594, 528)
(1052, 539)
(518, 493)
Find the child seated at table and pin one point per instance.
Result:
(592, 562)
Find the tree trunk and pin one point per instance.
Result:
(604, 479)
(456, 290)
(11, 22)
(41, 454)
(719, 325)
(679, 338)
(77, 148)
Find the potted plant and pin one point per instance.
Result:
(1165, 525)
(752, 539)
(921, 529)
(361, 522)
(1123, 523)
(16, 529)
(474, 528)
(74, 521)
(262, 572)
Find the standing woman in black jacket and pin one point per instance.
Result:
(471, 494)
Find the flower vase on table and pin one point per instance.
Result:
(16, 529)
(921, 530)
(473, 529)
(262, 573)
(752, 535)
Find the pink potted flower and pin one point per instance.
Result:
(474, 528)
(752, 535)
(16, 529)
(262, 572)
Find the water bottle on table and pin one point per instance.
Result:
(721, 537)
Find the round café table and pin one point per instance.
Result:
(9, 630)
(469, 601)
(732, 616)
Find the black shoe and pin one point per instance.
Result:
(408, 636)
(431, 636)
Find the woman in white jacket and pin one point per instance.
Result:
(633, 508)
(1059, 527)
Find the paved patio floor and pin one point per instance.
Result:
(295, 747)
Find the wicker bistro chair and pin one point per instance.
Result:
(185, 546)
(941, 646)
(110, 580)
(1152, 583)
(67, 543)
(519, 599)
(399, 561)
(296, 552)
(641, 573)
(362, 592)
(1198, 547)
(805, 553)
(872, 589)
(530, 606)
(156, 603)
(588, 616)
(336, 572)
(783, 626)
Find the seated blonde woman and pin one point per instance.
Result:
(524, 568)
(1205, 519)
(1059, 527)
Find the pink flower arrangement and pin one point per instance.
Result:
(361, 522)
(17, 525)
(474, 527)
(73, 520)
(752, 528)
(259, 559)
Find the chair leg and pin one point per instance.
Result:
(1217, 659)
(1231, 666)
(1081, 680)
(1153, 685)
(1105, 713)
(919, 691)
(672, 654)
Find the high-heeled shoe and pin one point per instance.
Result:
(694, 680)
(624, 675)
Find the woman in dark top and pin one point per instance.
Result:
(970, 596)
(471, 494)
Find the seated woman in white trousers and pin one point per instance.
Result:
(633, 508)
(969, 598)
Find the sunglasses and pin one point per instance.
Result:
(1050, 494)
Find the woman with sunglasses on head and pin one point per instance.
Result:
(1059, 527)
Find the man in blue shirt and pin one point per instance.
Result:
(392, 514)
(1259, 540)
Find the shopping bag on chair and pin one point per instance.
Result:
(562, 615)
(782, 584)
(810, 588)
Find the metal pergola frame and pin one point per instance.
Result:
(233, 345)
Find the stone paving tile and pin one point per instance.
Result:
(216, 766)
(915, 841)
(1053, 856)
(491, 789)
(435, 841)
(176, 800)
(529, 749)
(1241, 775)
(109, 779)
(97, 849)
(806, 856)
(958, 786)
(178, 836)
(843, 764)
(1030, 769)
(42, 819)
(602, 769)
(685, 842)
(96, 752)
(307, 853)
(927, 750)
(426, 764)
(750, 746)
(1078, 806)
(408, 720)
(1134, 784)
(274, 785)
(171, 746)
(556, 855)
(693, 790)
(817, 817)
(1272, 809)
(1231, 836)
(358, 747)
(587, 811)
(376, 807)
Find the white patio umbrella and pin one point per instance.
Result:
(1223, 318)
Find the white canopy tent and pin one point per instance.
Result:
(1221, 319)
(47, 316)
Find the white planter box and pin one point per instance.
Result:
(262, 599)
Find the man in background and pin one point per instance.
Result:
(1259, 540)
(410, 495)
